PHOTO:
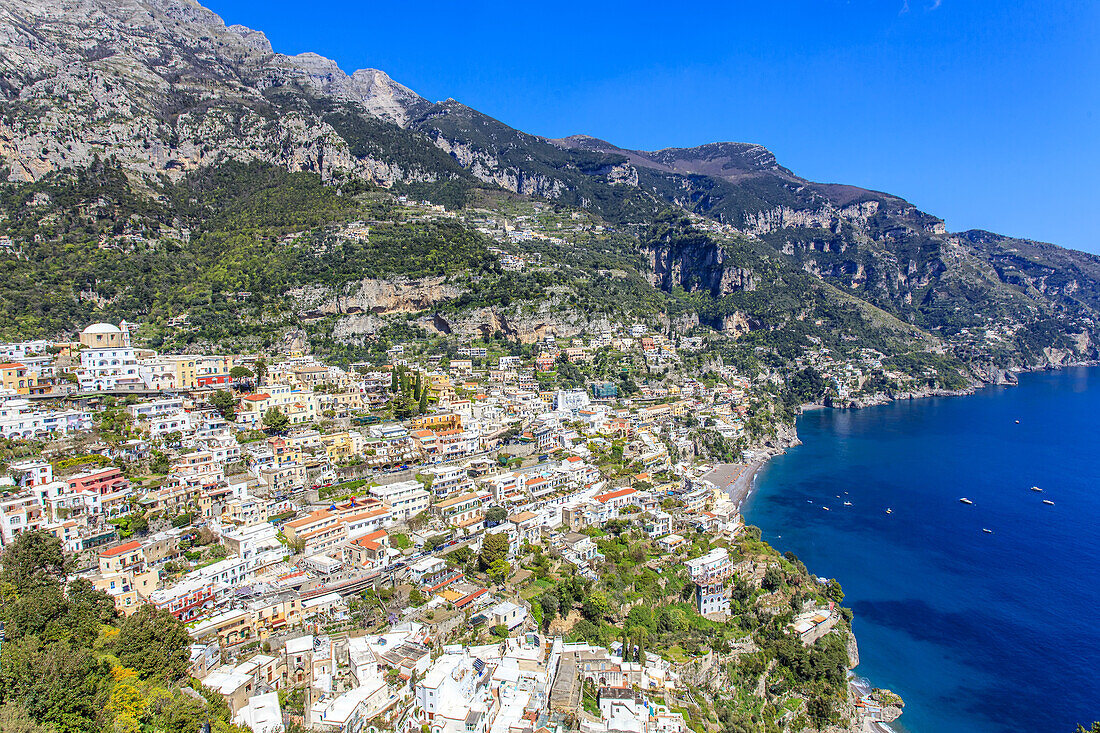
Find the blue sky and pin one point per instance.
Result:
(984, 113)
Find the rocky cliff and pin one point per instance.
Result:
(164, 89)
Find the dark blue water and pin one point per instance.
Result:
(978, 632)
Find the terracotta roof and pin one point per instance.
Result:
(257, 397)
(370, 541)
(376, 512)
(372, 536)
(121, 549)
(456, 500)
(472, 596)
(310, 518)
(604, 498)
(13, 365)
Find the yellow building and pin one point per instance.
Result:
(438, 421)
(19, 379)
(342, 446)
(299, 407)
(439, 387)
(194, 371)
(275, 614)
(104, 336)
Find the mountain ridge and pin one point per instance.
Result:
(165, 90)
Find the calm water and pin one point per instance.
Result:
(978, 632)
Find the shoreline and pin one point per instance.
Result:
(859, 684)
(1008, 378)
(742, 486)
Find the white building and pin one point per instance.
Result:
(108, 362)
(405, 498)
(262, 714)
(710, 573)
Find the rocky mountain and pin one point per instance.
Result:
(164, 91)
(166, 87)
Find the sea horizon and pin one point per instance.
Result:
(977, 630)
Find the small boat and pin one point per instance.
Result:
(964, 500)
(1017, 422)
(889, 511)
(809, 501)
(1035, 488)
(825, 508)
(1048, 501)
(987, 531)
(847, 503)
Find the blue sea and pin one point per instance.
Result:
(978, 632)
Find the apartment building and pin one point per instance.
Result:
(710, 574)
(404, 498)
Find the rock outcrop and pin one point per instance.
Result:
(163, 86)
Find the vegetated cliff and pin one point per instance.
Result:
(163, 88)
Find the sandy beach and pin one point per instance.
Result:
(741, 488)
(736, 478)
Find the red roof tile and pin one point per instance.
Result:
(121, 549)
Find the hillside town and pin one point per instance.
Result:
(387, 545)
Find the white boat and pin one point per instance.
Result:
(1035, 488)
(1048, 501)
(964, 500)
(1017, 422)
(889, 511)
(987, 531)
(825, 508)
(847, 503)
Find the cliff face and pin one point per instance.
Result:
(700, 265)
(164, 87)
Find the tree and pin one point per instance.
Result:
(139, 523)
(833, 590)
(596, 607)
(493, 547)
(671, 620)
(404, 407)
(240, 373)
(224, 403)
(499, 570)
(34, 559)
(416, 598)
(494, 515)
(159, 464)
(155, 643)
(14, 718)
(549, 603)
(773, 579)
(275, 420)
(261, 370)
